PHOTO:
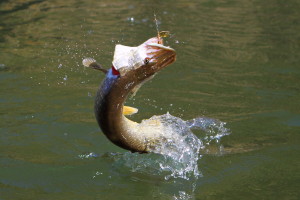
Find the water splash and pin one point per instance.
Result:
(179, 148)
(88, 155)
(213, 129)
(175, 158)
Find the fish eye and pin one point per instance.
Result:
(146, 61)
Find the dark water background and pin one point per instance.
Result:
(238, 61)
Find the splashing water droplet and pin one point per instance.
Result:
(65, 78)
(88, 155)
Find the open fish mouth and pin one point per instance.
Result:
(152, 53)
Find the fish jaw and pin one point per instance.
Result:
(150, 53)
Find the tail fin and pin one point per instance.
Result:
(92, 63)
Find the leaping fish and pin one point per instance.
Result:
(131, 68)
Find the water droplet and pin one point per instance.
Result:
(99, 173)
(65, 78)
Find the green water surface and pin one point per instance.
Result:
(238, 61)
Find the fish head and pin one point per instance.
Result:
(151, 55)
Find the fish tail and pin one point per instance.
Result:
(92, 63)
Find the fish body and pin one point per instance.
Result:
(132, 67)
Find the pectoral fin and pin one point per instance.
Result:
(127, 110)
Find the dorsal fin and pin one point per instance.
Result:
(92, 63)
